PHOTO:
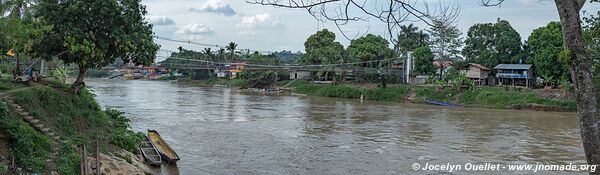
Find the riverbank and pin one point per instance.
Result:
(43, 124)
(484, 97)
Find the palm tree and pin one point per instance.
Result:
(208, 52)
(411, 38)
(221, 54)
(231, 48)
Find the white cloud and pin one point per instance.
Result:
(214, 6)
(160, 20)
(195, 29)
(265, 20)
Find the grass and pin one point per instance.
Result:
(6, 83)
(396, 93)
(3, 168)
(68, 162)
(77, 118)
(30, 148)
(221, 81)
(493, 97)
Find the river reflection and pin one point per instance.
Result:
(227, 131)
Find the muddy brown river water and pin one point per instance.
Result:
(229, 131)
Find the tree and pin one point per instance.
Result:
(221, 54)
(208, 52)
(544, 46)
(445, 40)
(410, 38)
(321, 48)
(370, 48)
(79, 35)
(490, 44)
(231, 48)
(423, 60)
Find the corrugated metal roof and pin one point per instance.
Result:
(513, 66)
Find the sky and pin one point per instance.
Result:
(268, 28)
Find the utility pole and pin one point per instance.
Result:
(42, 68)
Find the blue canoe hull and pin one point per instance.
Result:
(441, 103)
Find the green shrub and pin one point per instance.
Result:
(342, 91)
(387, 94)
(121, 135)
(3, 168)
(127, 139)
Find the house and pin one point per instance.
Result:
(515, 74)
(300, 74)
(476, 72)
(236, 68)
(231, 70)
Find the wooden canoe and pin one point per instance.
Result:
(151, 155)
(166, 152)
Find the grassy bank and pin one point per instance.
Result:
(75, 118)
(487, 97)
(495, 97)
(218, 81)
(392, 93)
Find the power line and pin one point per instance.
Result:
(207, 45)
(282, 66)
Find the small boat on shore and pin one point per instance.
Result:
(166, 152)
(441, 103)
(151, 155)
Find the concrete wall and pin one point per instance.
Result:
(300, 75)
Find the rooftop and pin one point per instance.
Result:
(476, 65)
(513, 66)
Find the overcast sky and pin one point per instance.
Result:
(267, 28)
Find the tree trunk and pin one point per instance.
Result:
(585, 92)
(78, 84)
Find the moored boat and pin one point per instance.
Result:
(151, 155)
(441, 103)
(166, 152)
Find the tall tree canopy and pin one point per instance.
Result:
(370, 48)
(321, 48)
(423, 59)
(410, 38)
(490, 44)
(445, 40)
(544, 46)
(92, 34)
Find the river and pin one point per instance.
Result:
(229, 131)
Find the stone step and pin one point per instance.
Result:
(10, 101)
(28, 118)
(23, 113)
(39, 126)
(56, 137)
(34, 121)
(45, 130)
(15, 105)
(50, 134)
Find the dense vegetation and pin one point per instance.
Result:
(76, 118)
(493, 97)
